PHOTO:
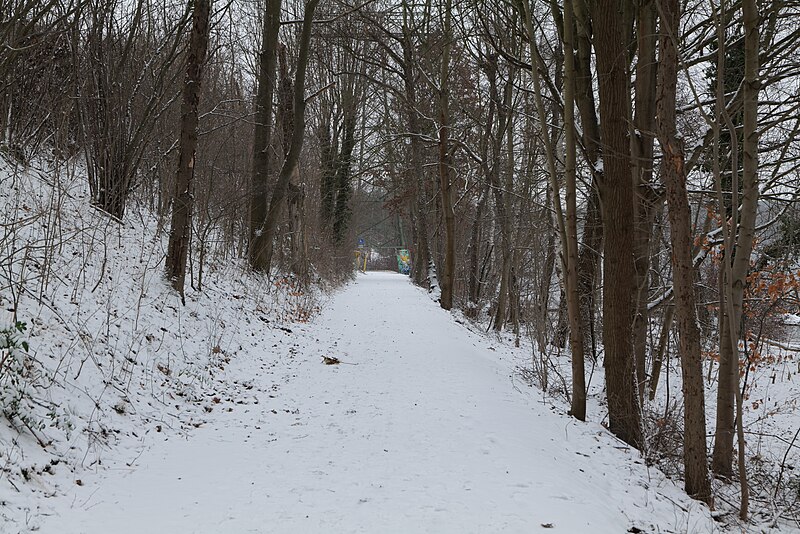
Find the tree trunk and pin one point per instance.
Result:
(183, 199)
(697, 482)
(592, 238)
(738, 236)
(543, 293)
(568, 251)
(646, 197)
(500, 196)
(343, 187)
(445, 169)
(588, 267)
(658, 357)
(295, 203)
(295, 197)
(616, 192)
(262, 136)
(298, 133)
(417, 174)
(741, 262)
(728, 377)
(474, 255)
(578, 408)
(722, 456)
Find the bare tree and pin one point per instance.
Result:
(183, 197)
(290, 163)
(618, 204)
(647, 192)
(417, 174)
(578, 409)
(258, 250)
(673, 164)
(129, 78)
(445, 166)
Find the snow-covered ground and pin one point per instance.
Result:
(420, 428)
(221, 415)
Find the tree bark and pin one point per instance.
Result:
(722, 456)
(445, 168)
(741, 261)
(578, 408)
(728, 378)
(697, 482)
(183, 199)
(262, 136)
(417, 175)
(298, 133)
(343, 187)
(642, 158)
(738, 236)
(617, 196)
(592, 238)
(474, 255)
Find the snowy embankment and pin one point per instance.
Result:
(115, 362)
(418, 429)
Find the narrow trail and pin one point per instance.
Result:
(420, 429)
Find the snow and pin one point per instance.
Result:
(791, 319)
(420, 428)
(220, 415)
(119, 359)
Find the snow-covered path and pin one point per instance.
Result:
(420, 429)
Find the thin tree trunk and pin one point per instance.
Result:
(658, 357)
(500, 195)
(474, 254)
(475, 272)
(592, 238)
(728, 377)
(697, 482)
(183, 199)
(513, 294)
(722, 456)
(742, 219)
(262, 136)
(741, 261)
(568, 253)
(588, 268)
(543, 297)
(642, 159)
(578, 408)
(445, 168)
(421, 246)
(298, 133)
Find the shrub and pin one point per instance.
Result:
(19, 379)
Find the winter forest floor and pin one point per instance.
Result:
(420, 428)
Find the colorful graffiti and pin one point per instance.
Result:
(403, 261)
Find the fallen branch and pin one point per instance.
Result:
(332, 360)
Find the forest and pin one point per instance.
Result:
(611, 185)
